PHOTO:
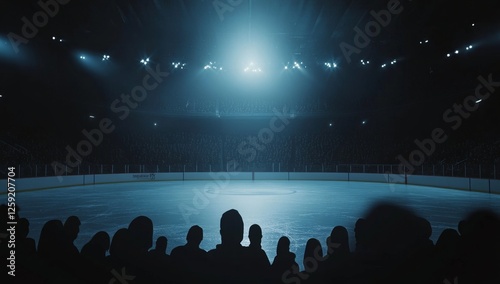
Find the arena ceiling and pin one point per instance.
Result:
(195, 31)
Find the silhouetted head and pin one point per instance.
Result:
(255, 234)
(22, 228)
(72, 228)
(480, 247)
(313, 251)
(462, 227)
(424, 227)
(51, 239)
(161, 244)
(447, 242)
(391, 229)
(283, 246)
(195, 235)
(101, 239)
(121, 244)
(141, 231)
(338, 240)
(360, 231)
(231, 227)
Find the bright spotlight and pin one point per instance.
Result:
(91, 116)
(363, 122)
(470, 46)
(457, 52)
(212, 65)
(155, 124)
(82, 57)
(145, 61)
(448, 55)
(478, 101)
(473, 24)
(105, 57)
(252, 67)
(53, 38)
(426, 41)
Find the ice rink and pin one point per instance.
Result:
(297, 209)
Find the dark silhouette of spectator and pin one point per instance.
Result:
(462, 227)
(425, 246)
(229, 259)
(160, 261)
(446, 256)
(392, 234)
(260, 265)
(425, 232)
(71, 230)
(189, 260)
(284, 268)
(313, 262)
(338, 260)
(419, 262)
(55, 265)
(93, 258)
(26, 257)
(25, 246)
(119, 249)
(121, 257)
(141, 232)
(161, 246)
(338, 242)
(51, 239)
(97, 247)
(479, 249)
(360, 235)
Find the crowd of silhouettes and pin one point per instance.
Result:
(393, 245)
